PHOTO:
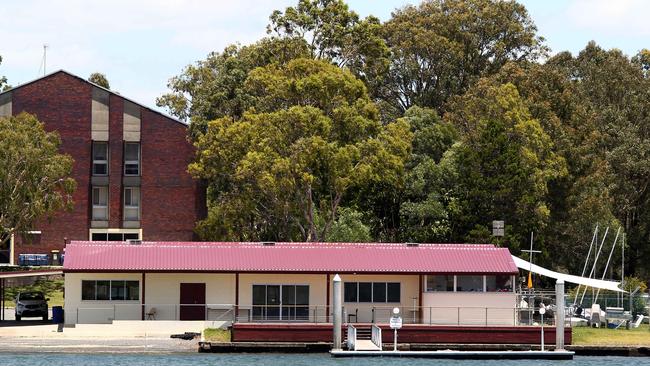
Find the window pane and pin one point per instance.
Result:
(103, 288)
(302, 295)
(379, 292)
(115, 237)
(99, 237)
(132, 151)
(469, 283)
(132, 290)
(87, 290)
(440, 283)
(393, 289)
(259, 295)
(288, 295)
(365, 291)
(350, 292)
(100, 168)
(100, 150)
(118, 290)
(131, 169)
(498, 283)
(131, 236)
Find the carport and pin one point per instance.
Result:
(4, 276)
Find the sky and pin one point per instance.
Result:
(140, 44)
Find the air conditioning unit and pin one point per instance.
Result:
(134, 241)
(412, 244)
(268, 243)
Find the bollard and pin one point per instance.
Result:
(338, 308)
(559, 315)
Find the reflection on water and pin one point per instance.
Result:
(51, 359)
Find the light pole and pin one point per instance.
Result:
(542, 311)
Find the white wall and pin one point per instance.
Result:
(93, 311)
(469, 308)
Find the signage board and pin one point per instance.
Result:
(395, 322)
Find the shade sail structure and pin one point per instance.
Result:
(591, 282)
(289, 257)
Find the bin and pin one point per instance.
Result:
(57, 314)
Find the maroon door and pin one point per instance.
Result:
(192, 301)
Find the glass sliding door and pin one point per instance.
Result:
(280, 302)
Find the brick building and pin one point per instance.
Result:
(130, 165)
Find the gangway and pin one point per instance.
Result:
(372, 344)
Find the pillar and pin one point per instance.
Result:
(338, 311)
(559, 315)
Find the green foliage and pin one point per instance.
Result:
(349, 228)
(99, 79)
(504, 162)
(441, 47)
(214, 87)
(336, 34)
(34, 179)
(312, 135)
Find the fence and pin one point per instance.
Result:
(466, 316)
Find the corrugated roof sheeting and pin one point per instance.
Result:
(288, 257)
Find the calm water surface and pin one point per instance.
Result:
(51, 359)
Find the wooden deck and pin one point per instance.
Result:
(410, 333)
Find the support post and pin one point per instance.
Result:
(338, 309)
(2, 285)
(559, 315)
(236, 296)
(327, 297)
(143, 301)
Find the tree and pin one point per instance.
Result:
(504, 163)
(99, 79)
(34, 179)
(214, 88)
(349, 228)
(441, 47)
(282, 170)
(3, 80)
(335, 33)
(424, 215)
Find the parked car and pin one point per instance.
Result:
(30, 304)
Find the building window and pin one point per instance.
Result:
(110, 290)
(114, 236)
(498, 283)
(132, 158)
(377, 292)
(132, 203)
(100, 158)
(439, 283)
(100, 203)
(469, 283)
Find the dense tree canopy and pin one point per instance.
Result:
(423, 128)
(282, 169)
(34, 179)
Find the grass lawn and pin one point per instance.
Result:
(612, 337)
(216, 335)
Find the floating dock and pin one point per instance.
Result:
(462, 355)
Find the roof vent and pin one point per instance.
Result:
(134, 241)
(412, 244)
(268, 243)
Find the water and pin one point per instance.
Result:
(62, 359)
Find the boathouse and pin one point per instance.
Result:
(277, 282)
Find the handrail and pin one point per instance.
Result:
(376, 336)
(352, 338)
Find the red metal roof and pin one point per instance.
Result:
(288, 257)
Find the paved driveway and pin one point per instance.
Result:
(10, 319)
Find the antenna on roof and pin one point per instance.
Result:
(44, 60)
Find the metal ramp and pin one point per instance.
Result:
(356, 344)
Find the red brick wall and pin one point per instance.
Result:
(63, 103)
(115, 169)
(171, 200)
